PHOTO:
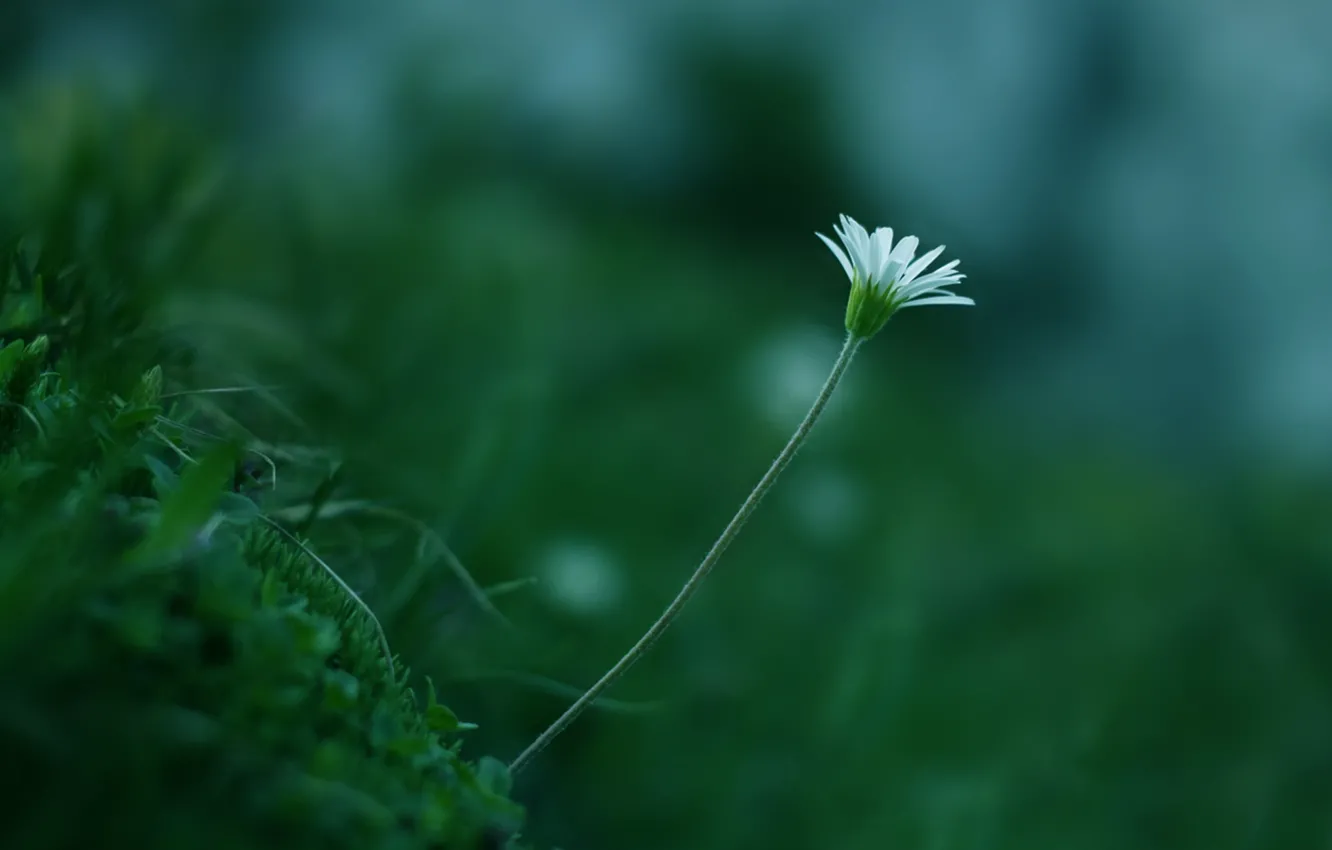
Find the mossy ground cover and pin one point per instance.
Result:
(178, 666)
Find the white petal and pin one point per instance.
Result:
(892, 272)
(841, 257)
(941, 299)
(931, 280)
(865, 243)
(883, 238)
(854, 248)
(905, 250)
(854, 227)
(924, 286)
(946, 268)
(874, 260)
(856, 233)
(920, 265)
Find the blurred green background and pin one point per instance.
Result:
(1054, 572)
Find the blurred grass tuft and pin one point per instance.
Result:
(177, 668)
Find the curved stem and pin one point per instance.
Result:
(728, 535)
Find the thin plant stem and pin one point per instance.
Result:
(691, 586)
(346, 588)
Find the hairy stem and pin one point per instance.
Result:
(728, 535)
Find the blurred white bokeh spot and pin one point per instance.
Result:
(787, 371)
(826, 503)
(580, 577)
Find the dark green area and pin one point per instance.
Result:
(177, 668)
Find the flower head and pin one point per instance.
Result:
(885, 277)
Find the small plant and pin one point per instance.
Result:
(177, 667)
(884, 278)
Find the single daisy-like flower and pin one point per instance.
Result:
(885, 277)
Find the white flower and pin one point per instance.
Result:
(885, 277)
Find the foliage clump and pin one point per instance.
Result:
(176, 668)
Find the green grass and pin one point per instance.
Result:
(178, 665)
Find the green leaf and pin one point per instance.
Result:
(440, 718)
(10, 356)
(238, 508)
(409, 746)
(341, 690)
(148, 391)
(385, 727)
(36, 351)
(314, 636)
(190, 505)
(164, 477)
(505, 814)
(494, 776)
(132, 417)
(270, 590)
